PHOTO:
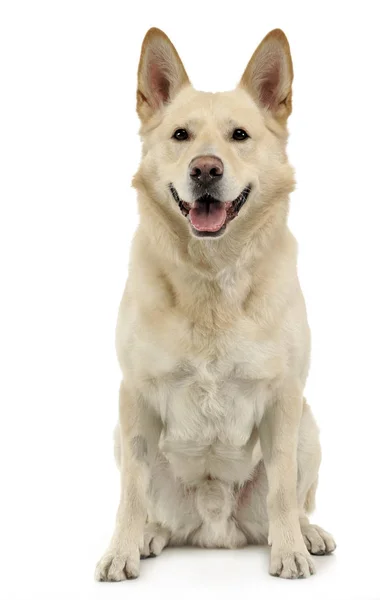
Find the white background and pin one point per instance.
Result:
(69, 147)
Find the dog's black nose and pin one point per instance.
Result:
(206, 169)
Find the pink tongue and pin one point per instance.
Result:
(208, 216)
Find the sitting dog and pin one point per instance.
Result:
(215, 443)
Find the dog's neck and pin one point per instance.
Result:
(212, 281)
(247, 246)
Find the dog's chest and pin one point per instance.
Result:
(209, 424)
(210, 405)
(210, 400)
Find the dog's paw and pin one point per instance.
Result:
(317, 540)
(118, 564)
(290, 564)
(156, 538)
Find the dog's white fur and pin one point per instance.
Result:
(216, 445)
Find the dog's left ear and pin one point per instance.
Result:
(269, 75)
(161, 73)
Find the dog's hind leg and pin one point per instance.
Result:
(156, 538)
(117, 445)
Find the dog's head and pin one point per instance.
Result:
(210, 158)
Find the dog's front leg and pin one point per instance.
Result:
(139, 433)
(279, 439)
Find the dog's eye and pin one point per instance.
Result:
(180, 135)
(240, 135)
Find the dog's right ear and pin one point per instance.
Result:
(161, 74)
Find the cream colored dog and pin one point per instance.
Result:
(215, 442)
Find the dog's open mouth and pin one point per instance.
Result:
(209, 216)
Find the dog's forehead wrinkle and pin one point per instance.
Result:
(205, 104)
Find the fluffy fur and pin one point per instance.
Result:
(216, 444)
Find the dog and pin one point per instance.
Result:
(216, 444)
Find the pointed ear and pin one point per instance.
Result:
(161, 73)
(269, 75)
